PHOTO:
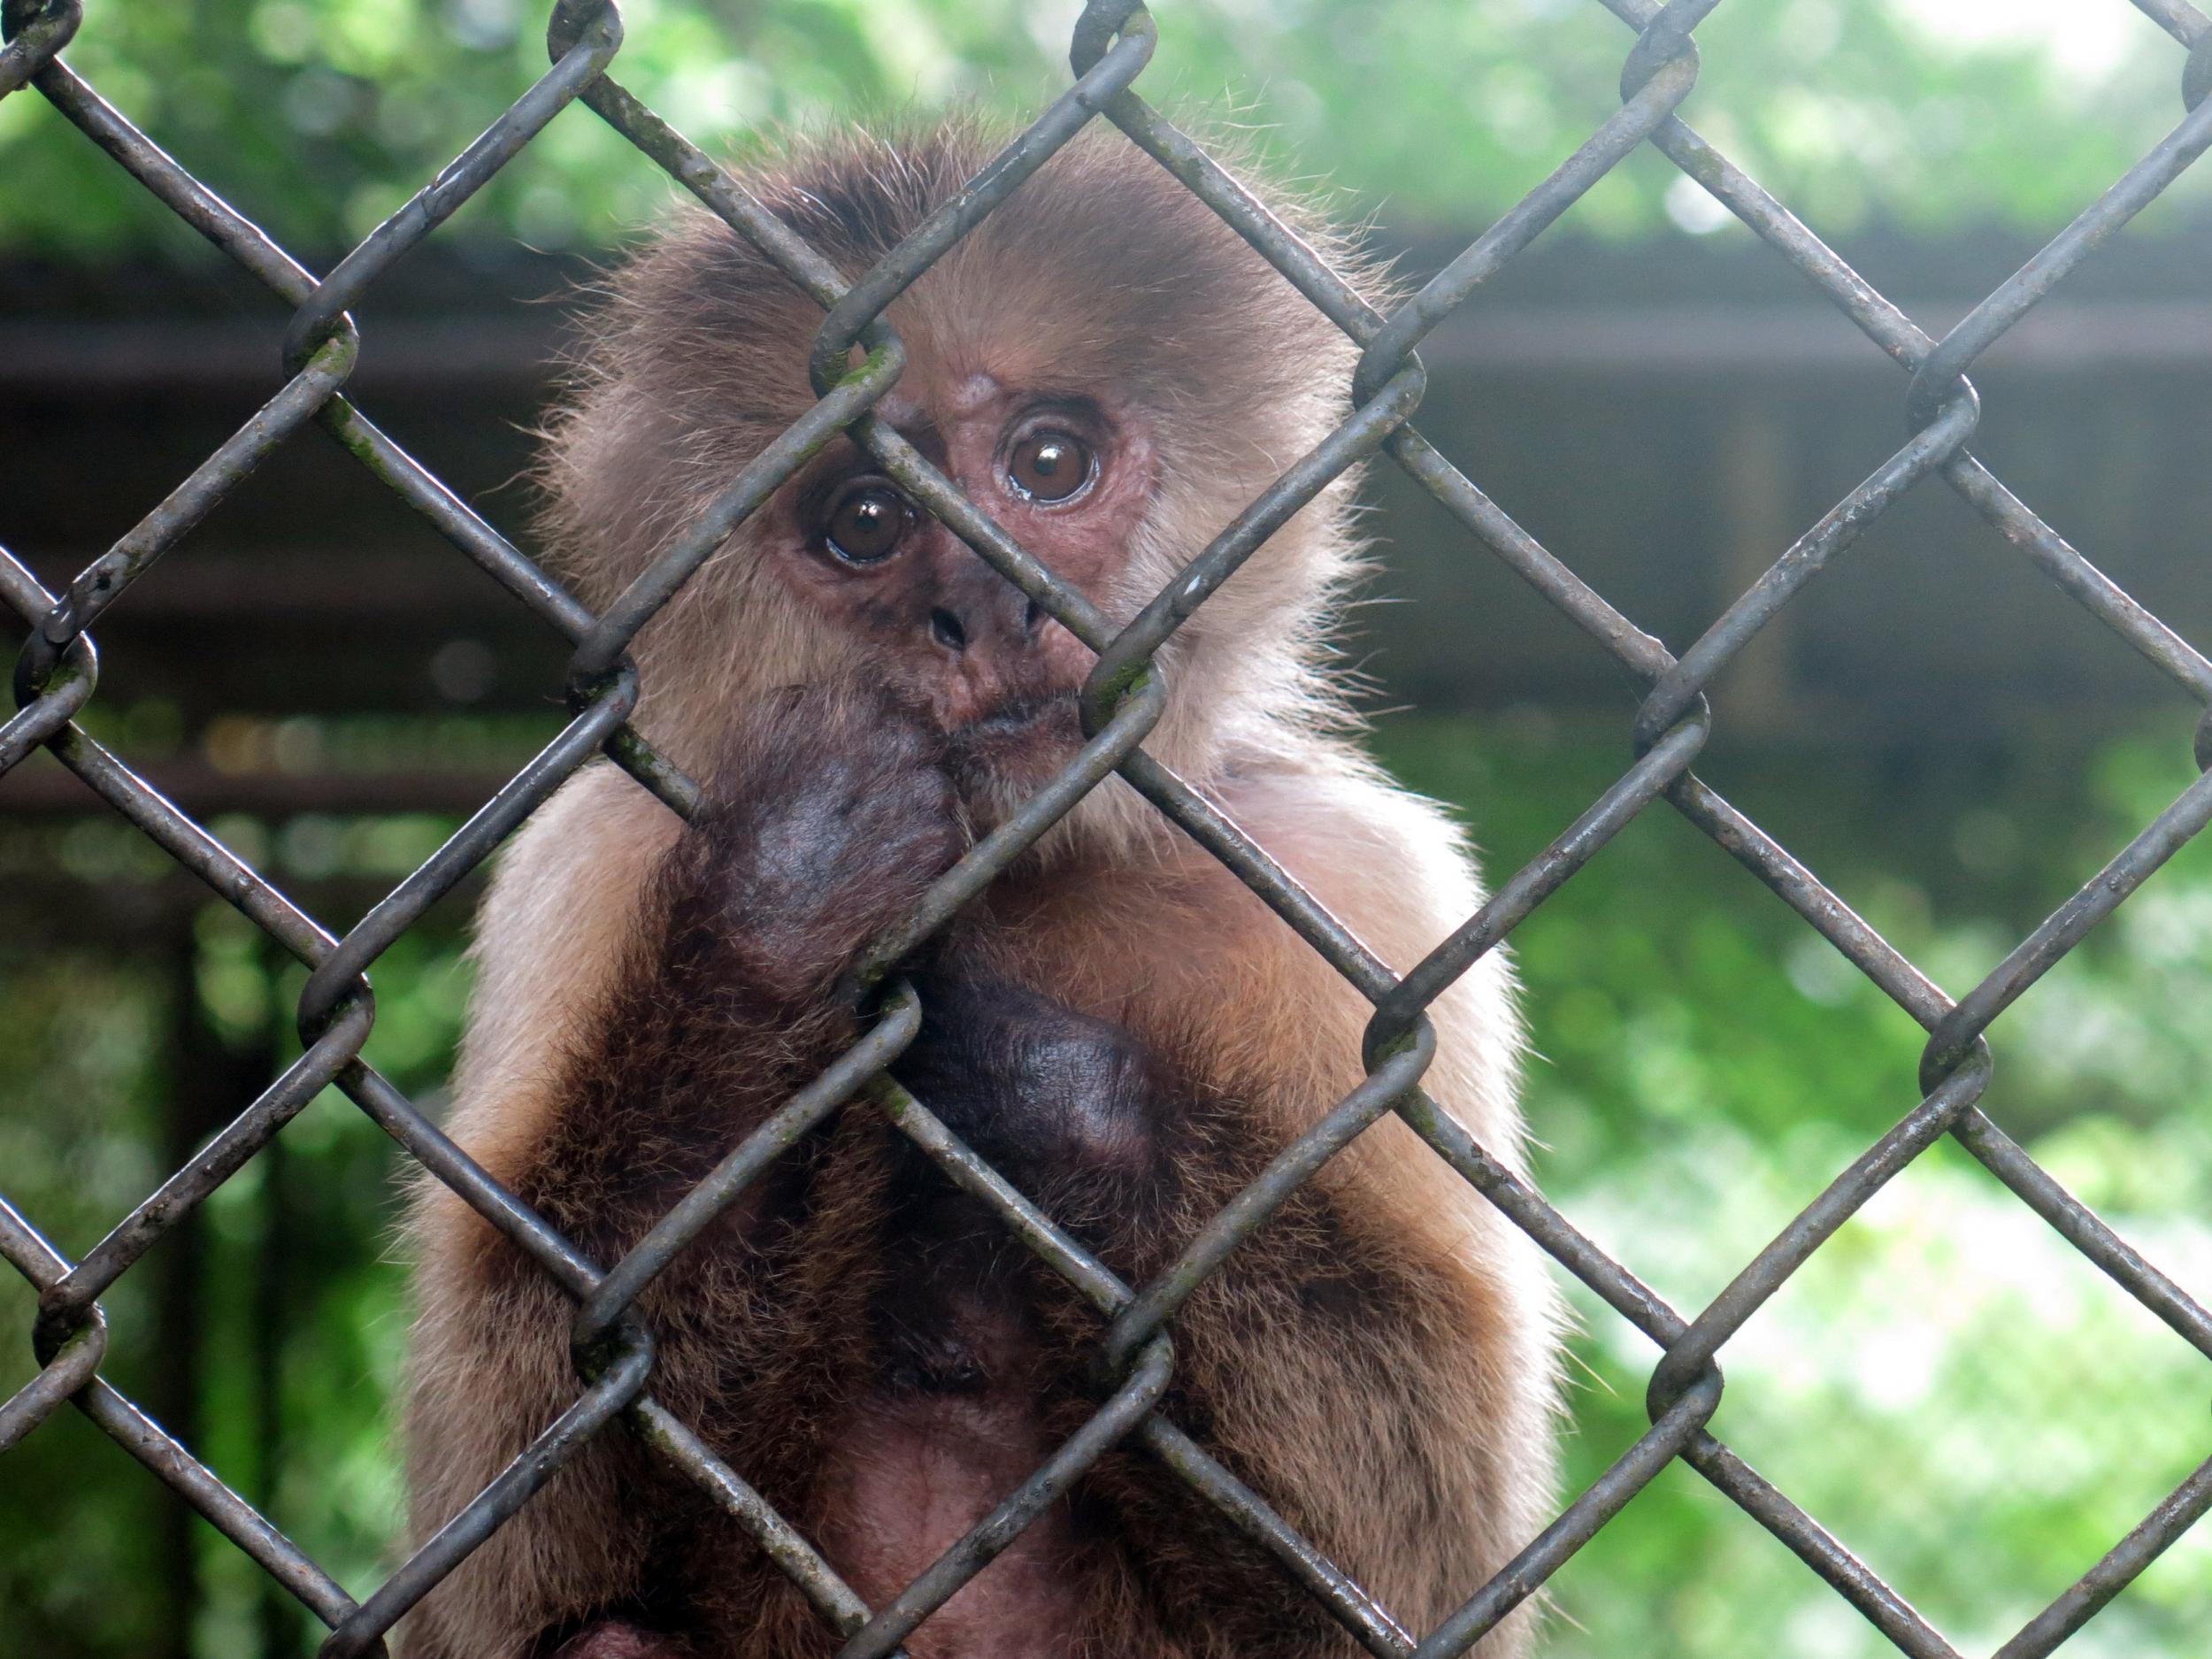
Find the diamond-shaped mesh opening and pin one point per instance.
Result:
(1923, 1342)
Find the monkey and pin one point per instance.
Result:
(1116, 1024)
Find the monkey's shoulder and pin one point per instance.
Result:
(1382, 858)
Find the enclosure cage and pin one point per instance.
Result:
(57, 676)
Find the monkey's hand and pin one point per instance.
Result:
(1058, 1102)
(831, 812)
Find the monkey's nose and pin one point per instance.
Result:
(976, 616)
(1006, 618)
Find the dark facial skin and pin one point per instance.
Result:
(1066, 475)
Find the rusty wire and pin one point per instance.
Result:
(57, 672)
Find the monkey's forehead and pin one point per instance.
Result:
(1102, 270)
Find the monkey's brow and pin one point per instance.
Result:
(841, 457)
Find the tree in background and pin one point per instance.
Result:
(320, 116)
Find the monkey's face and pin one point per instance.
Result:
(1102, 365)
(1066, 475)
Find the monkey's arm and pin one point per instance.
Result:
(1373, 1359)
(828, 818)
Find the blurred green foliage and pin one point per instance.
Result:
(1947, 1386)
(320, 117)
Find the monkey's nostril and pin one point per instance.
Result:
(944, 628)
(1033, 618)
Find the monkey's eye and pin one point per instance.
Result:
(1050, 465)
(867, 524)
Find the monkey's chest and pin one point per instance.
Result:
(948, 1426)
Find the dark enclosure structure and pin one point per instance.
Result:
(243, 627)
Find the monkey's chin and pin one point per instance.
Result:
(1002, 760)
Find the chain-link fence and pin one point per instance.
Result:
(57, 675)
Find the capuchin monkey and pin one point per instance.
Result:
(1117, 1024)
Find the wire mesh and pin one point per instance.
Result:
(56, 673)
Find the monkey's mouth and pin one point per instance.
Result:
(1018, 742)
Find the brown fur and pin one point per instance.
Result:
(1375, 1363)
